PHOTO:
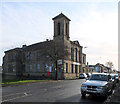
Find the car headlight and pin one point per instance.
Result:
(83, 85)
(100, 87)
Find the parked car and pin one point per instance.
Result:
(82, 76)
(114, 81)
(99, 84)
(88, 75)
(117, 77)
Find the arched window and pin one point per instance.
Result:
(58, 28)
(76, 54)
(66, 28)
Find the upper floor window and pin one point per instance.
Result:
(38, 54)
(30, 56)
(10, 56)
(58, 28)
(72, 54)
(76, 54)
(66, 29)
(79, 56)
(84, 59)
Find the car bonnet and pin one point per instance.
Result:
(95, 83)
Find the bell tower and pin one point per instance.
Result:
(61, 27)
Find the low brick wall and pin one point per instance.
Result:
(70, 76)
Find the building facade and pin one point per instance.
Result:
(59, 58)
(99, 68)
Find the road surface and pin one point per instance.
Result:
(56, 91)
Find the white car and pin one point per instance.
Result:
(82, 76)
(99, 84)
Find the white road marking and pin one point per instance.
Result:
(16, 98)
(57, 87)
(61, 93)
(25, 94)
(15, 94)
(43, 89)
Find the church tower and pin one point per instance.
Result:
(61, 27)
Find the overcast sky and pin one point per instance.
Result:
(93, 24)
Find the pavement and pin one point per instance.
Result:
(115, 97)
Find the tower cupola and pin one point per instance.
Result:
(61, 27)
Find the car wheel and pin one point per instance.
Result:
(83, 94)
(111, 91)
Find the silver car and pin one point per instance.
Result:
(99, 84)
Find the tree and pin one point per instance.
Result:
(56, 50)
(109, 64)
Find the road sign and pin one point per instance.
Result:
(59, 62)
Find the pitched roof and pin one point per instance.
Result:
(61, 15)
(40, 45)
(76, 43)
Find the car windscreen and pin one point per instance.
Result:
(98, 77)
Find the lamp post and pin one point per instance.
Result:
(85, 60)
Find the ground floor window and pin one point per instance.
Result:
(66, 67)
(30, 68)
(10, 67)
(79, 69)
(72, 68)
(38, 67)
(76, 69)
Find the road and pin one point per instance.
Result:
(56, 91)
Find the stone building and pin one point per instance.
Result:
(99, 68)
(59, 58)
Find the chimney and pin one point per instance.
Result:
(23, 46)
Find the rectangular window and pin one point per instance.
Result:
(72, 68)
(76, 69)
(58, 28)
(30, 56)
(10, 67)
(83, 59)
(72, 54)
(66, 29)
(30, 68)
(79, 57)
(11, 57)
(38, 54)
(76, 54)
(38, 67)
(66, 67)
(79, 68)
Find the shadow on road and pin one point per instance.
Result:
(89, 99)
(93, 99)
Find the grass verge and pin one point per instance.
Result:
(4, 82)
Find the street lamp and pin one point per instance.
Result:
(84, 60)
